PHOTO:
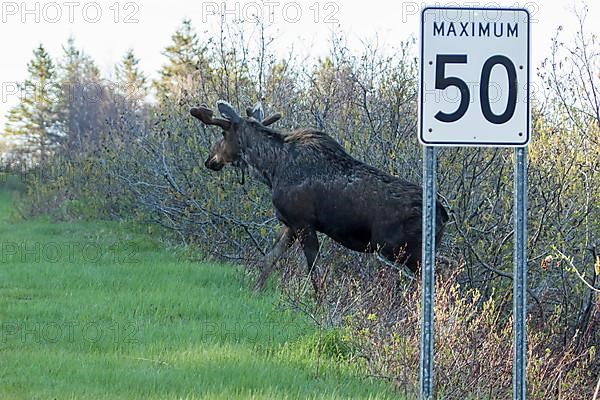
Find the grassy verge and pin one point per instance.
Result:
(100, 311)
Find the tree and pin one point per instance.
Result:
(572, 128)
(82, 98)
(131, 81)
(35, 116)
(184, 61)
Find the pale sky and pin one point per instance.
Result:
(106, 29)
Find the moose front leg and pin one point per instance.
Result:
(310, 246)
(284, 241)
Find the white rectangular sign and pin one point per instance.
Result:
(474, 77)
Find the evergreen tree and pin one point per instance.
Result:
(184, 61)
(131, 81)
(81, 93)
(35, 115)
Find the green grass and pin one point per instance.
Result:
(98, 310)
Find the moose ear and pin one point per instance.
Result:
(257, 112)
(228, 112)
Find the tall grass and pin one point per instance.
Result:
(94, 310)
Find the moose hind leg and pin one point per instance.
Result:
(284, 241)
(405, 255)
(409, 256)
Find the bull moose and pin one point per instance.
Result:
(316, 186)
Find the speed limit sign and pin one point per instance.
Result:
(474, 77)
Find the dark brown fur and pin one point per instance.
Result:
(316, 186)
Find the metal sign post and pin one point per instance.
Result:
(474, 91)
(427, 272)
(520, 274)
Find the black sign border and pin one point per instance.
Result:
(474, 144)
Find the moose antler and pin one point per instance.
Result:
(271, 119)
(205, 114)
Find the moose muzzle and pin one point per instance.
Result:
(213, 163)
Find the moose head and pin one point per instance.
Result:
(228, 150)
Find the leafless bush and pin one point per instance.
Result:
(473, 342)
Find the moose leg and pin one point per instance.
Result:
(284, 241)
(310, 246)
